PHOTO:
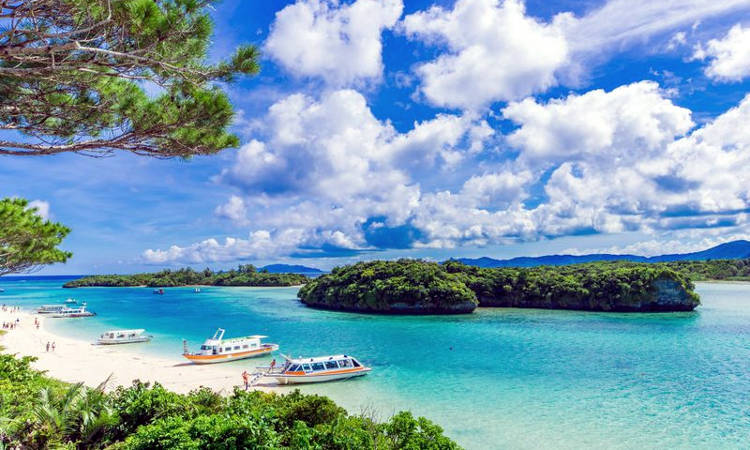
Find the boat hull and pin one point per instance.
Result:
(65, 316)
(320, 377)
(214, 359)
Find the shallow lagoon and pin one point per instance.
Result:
(499, 378)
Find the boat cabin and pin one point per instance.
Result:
(321, 364)
(217, 345)
(50, 309)
(122, 334)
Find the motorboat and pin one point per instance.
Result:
(113, 337)
(217, 349)
(159, 291)
(197, 290)
(50, 309)
(67, 312)
(316, 369)
(71, 301)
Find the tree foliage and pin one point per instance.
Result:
(74, 76)
(26, 239)
(245, 275)
(37, 412)
(426, 287)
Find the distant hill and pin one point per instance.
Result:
(291, 268)
(729, 250)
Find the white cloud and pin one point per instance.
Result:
(235, 210)
(42, 208)
(495, 52)
(729, 57)
(340, 43)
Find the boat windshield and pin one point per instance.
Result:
(294, 368)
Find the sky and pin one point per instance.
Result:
(380, 129)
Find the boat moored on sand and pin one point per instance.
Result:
(67, 312)
(217, 349)
(50, 309)
(316, 370)
(113, 337)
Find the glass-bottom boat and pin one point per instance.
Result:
(217, 349)
(123, 337)
(316, 370)
(66, 312)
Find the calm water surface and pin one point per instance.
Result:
(499, 378)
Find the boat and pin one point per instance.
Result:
(71, 301)
(159, 291)
(217, 349)
(316, 370)
(50, 309)
(197, 290)
(123, 337)
(66, 312)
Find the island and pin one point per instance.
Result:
(410, 286)
(244, 275)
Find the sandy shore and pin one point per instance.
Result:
(79, 361)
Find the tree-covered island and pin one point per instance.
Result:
(244, 275)
(419, 287)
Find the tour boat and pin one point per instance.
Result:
(66, 312)
(317, 369)
(123, 337)
(50, 309)
(71, 301)
(217, 349)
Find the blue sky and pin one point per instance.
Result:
(382, 128)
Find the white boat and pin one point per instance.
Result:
(316, 370)
(197, 290)
(66, 312)
(217, 349)
(71, 301)
(50, 309)
(123, 337)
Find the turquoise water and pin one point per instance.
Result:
(499, 378)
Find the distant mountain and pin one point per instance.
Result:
(291, 268)
(730, 250)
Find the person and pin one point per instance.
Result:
(273, 363)
(246, 379)
(53, 346)
(47, 346)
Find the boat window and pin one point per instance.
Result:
(244, 346)
(294, 368)
(205, 347)
(236, 347)
(331, 365)
(356, 364)
(317, 366)
(306, 367)
(345, 363)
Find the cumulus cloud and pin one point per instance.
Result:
(340, 43)
(42, 208)
(494, 52)
(729, 57)
(491, 50)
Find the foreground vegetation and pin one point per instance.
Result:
(244, 275)
(414, 286)
(37, 412)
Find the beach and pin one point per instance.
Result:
(75, 360)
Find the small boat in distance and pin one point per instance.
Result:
(66, 312)
(217, 349)
(197, 290)
(159, 291)
(123, 337)
(316, 370)
(71, 301)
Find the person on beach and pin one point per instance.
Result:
(53, 346)
(47, 346)
(246, 379)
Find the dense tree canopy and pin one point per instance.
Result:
(74, 76)
(26, 239)
(413, 286)
(244, 275)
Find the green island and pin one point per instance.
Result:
(244, 275)
(38, 412)
(419, 287)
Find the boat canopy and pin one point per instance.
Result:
(138, 331)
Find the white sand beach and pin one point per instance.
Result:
(79, 361)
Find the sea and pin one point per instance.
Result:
(498, 378)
